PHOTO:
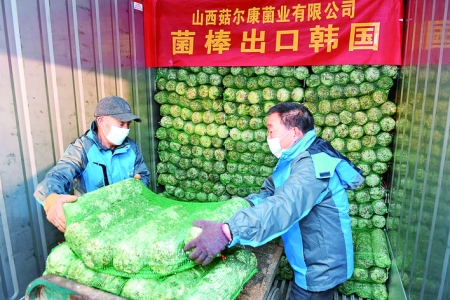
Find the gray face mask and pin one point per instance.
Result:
(275, 145)
(116, 134)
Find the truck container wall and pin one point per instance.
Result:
(419, 209)
(57, 59)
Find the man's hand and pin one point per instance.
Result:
(208, 244)
(53, 206)
(137, 176)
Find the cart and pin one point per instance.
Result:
(260, 287)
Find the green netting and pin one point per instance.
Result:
(284, 270)
(365, 290)
(62, 261)
(371, 248)
(222, 279)
(126, 230)
(372, 274)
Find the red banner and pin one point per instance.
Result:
(272, 32)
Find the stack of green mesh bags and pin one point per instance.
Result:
(212, 139)
(353, 112)
(128, 241)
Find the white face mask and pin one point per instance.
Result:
(116, 134)
(275, 145)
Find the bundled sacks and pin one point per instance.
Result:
(123, 236)
(221, 279)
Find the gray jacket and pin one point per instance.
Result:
(309, 209)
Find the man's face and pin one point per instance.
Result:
(108, 121)
(105, 124)
(276, 129)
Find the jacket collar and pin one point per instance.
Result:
(300, 146)
(282, 170)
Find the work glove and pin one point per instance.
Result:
(209, 243)
(53, 206)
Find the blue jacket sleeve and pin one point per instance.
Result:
(267, 190)
(290, 203)
(60, 178)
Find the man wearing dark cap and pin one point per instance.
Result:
(103, 155)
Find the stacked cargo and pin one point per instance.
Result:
(210, 148)
(351, 110)
(192, 134)
(142, 257)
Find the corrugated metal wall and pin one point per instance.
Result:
(57, 59)
(418, 223)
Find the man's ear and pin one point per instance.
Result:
(298, 133)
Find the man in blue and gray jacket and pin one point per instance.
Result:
(103, 155)
(304, 201)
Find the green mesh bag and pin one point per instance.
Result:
(126, 230)
(221, 279)
(62, 261)
(371, 248)
(364, 290)
(372, 274)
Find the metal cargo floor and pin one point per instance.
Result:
(281, 288)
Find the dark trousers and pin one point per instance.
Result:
(297, 293)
